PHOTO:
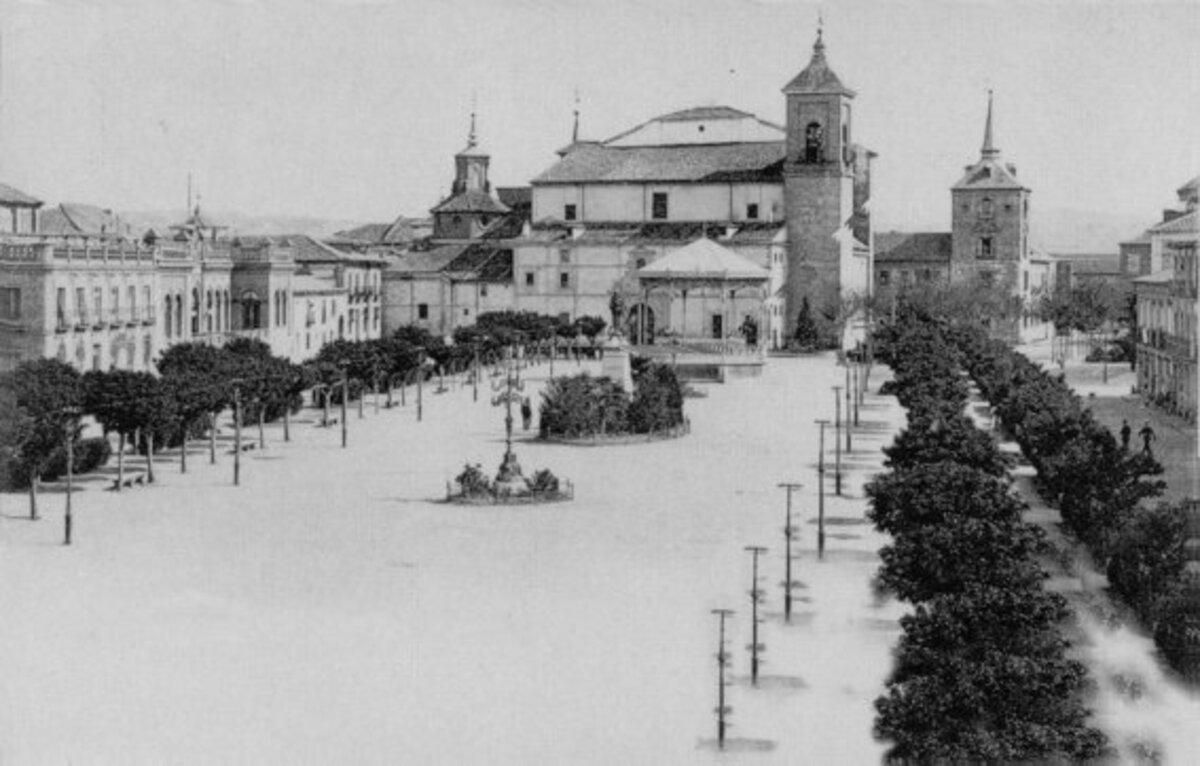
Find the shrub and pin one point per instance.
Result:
(89, 455)
(543, 482)
(473, 481)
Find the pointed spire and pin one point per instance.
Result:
(989, 150)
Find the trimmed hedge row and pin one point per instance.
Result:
(1099, 489)
(981, 672)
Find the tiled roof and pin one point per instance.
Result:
(75, 219)
(471, 202)
(1091, 263)
(924, 247)
(705, 113)
(427, 261)
(488, 263)
(17, 198)
(702, 259)
(988, 174)
(306, 249)
(367, 234)
(700, 162)
(817, 77)
(1184, 224)
(515, 196)
(654, 232)
(1189, 189)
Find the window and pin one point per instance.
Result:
(752, 211)
(132, 302)
(10, 303)
(985, 247)
(98, 304)
(814, 142)
(195, 311)
(885, 277)
(96, 355)
(116, 302)
(639, 263)
(81, 304)
(986, 209)
(564, 279)
(167, 316)
(147, 350)
(1025, 280)
(926, 275)
(483, 291)
(658, 205)
(146, 301)
(568, 212)
(564, 255)
(466, 312)
(422, 311)
(529, 279)
(60, 308)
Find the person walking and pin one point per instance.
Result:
(1148, 436)
(1126, 433)
(526, 413)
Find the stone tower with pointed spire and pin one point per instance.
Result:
(819, 189)
(990, 221)
(470, 209)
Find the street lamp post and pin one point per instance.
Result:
(722, 662)
(821, 491)
(71, 414)
(344, 365)
(848, 390)
(421, 385)
(756, 595)
(837, 441)
(323, 390)
(475, 375)
(788, 534)
(857, 391)
(237, 431)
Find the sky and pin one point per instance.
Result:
(353, 109)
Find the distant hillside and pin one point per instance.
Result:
(1061, 230)
(239, 223)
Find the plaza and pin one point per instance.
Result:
(330, 609)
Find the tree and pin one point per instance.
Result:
(196, 378)
(981, 676)
(44, 389)
(1147, 564)
(124, 402)
(807, 337)
(589, 326)
(939, 439)
(910, 500)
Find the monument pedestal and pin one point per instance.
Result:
(616, 363)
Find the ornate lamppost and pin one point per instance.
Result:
(508, 392)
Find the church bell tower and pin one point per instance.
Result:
(818, 186)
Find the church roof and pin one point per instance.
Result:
(923, 247)
(705, 113)
(989, 173)
(471, 201)
(16, 198)
(595, 163)
(817, 77)
(703, 259)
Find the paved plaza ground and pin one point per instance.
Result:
(330, 611)
(1112, 400)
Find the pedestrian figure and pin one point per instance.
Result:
(526, 413)
(1148, 435)
(1126, 432)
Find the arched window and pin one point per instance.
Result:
(251, 310)
(814, 142)
(169, 315)
(178, 315)
(208, 311)
(195, 311)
